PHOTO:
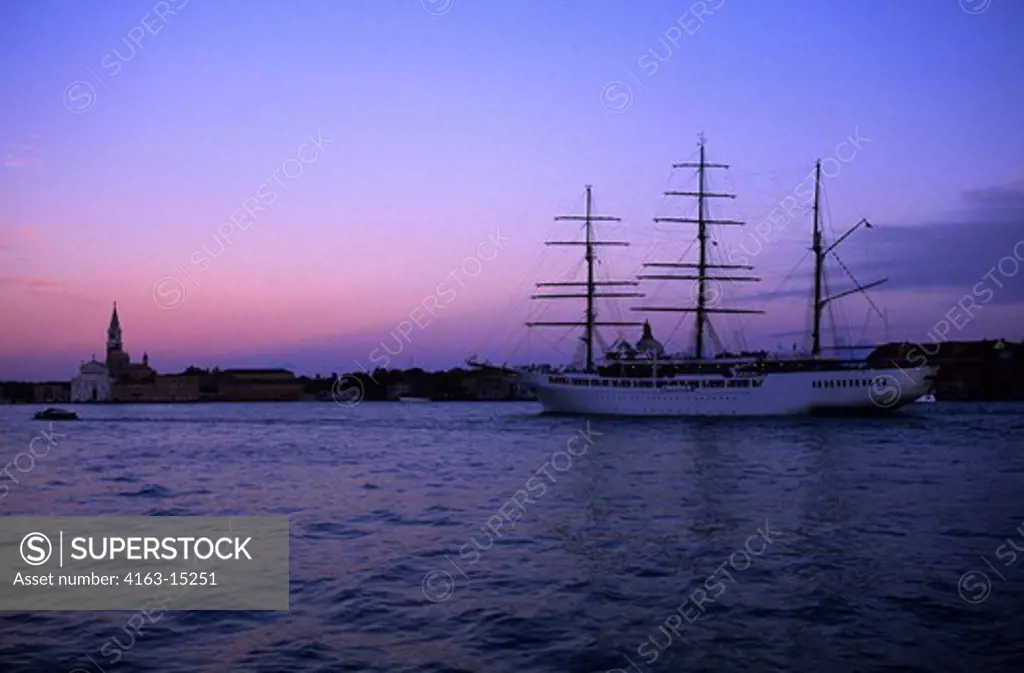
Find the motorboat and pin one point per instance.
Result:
(54, 414)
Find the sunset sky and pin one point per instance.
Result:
(378, 146)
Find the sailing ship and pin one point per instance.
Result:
(643, 380)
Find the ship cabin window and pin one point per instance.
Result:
(714, 384)
(742, 383)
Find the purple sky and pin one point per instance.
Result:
(367, 149)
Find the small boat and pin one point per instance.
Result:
(53, 414)
(926, 399)
(419, 400)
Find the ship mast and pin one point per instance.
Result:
(819, 264)
(702, 309)
(591, 285)
(820, 254)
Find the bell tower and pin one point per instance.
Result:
(114, 341)
(117, 359)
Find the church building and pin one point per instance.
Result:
(92, 383)
(98, 381)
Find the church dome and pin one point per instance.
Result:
(648, 344)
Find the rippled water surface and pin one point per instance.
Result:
(811, 544)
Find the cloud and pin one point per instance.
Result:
(32, 282)
(1001, 198)
(9, 239)
(927, 263)
(961, 249)
(27, 156)
(949, 254)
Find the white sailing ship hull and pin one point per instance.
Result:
(773, 394)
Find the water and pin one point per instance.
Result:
(870, 526)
